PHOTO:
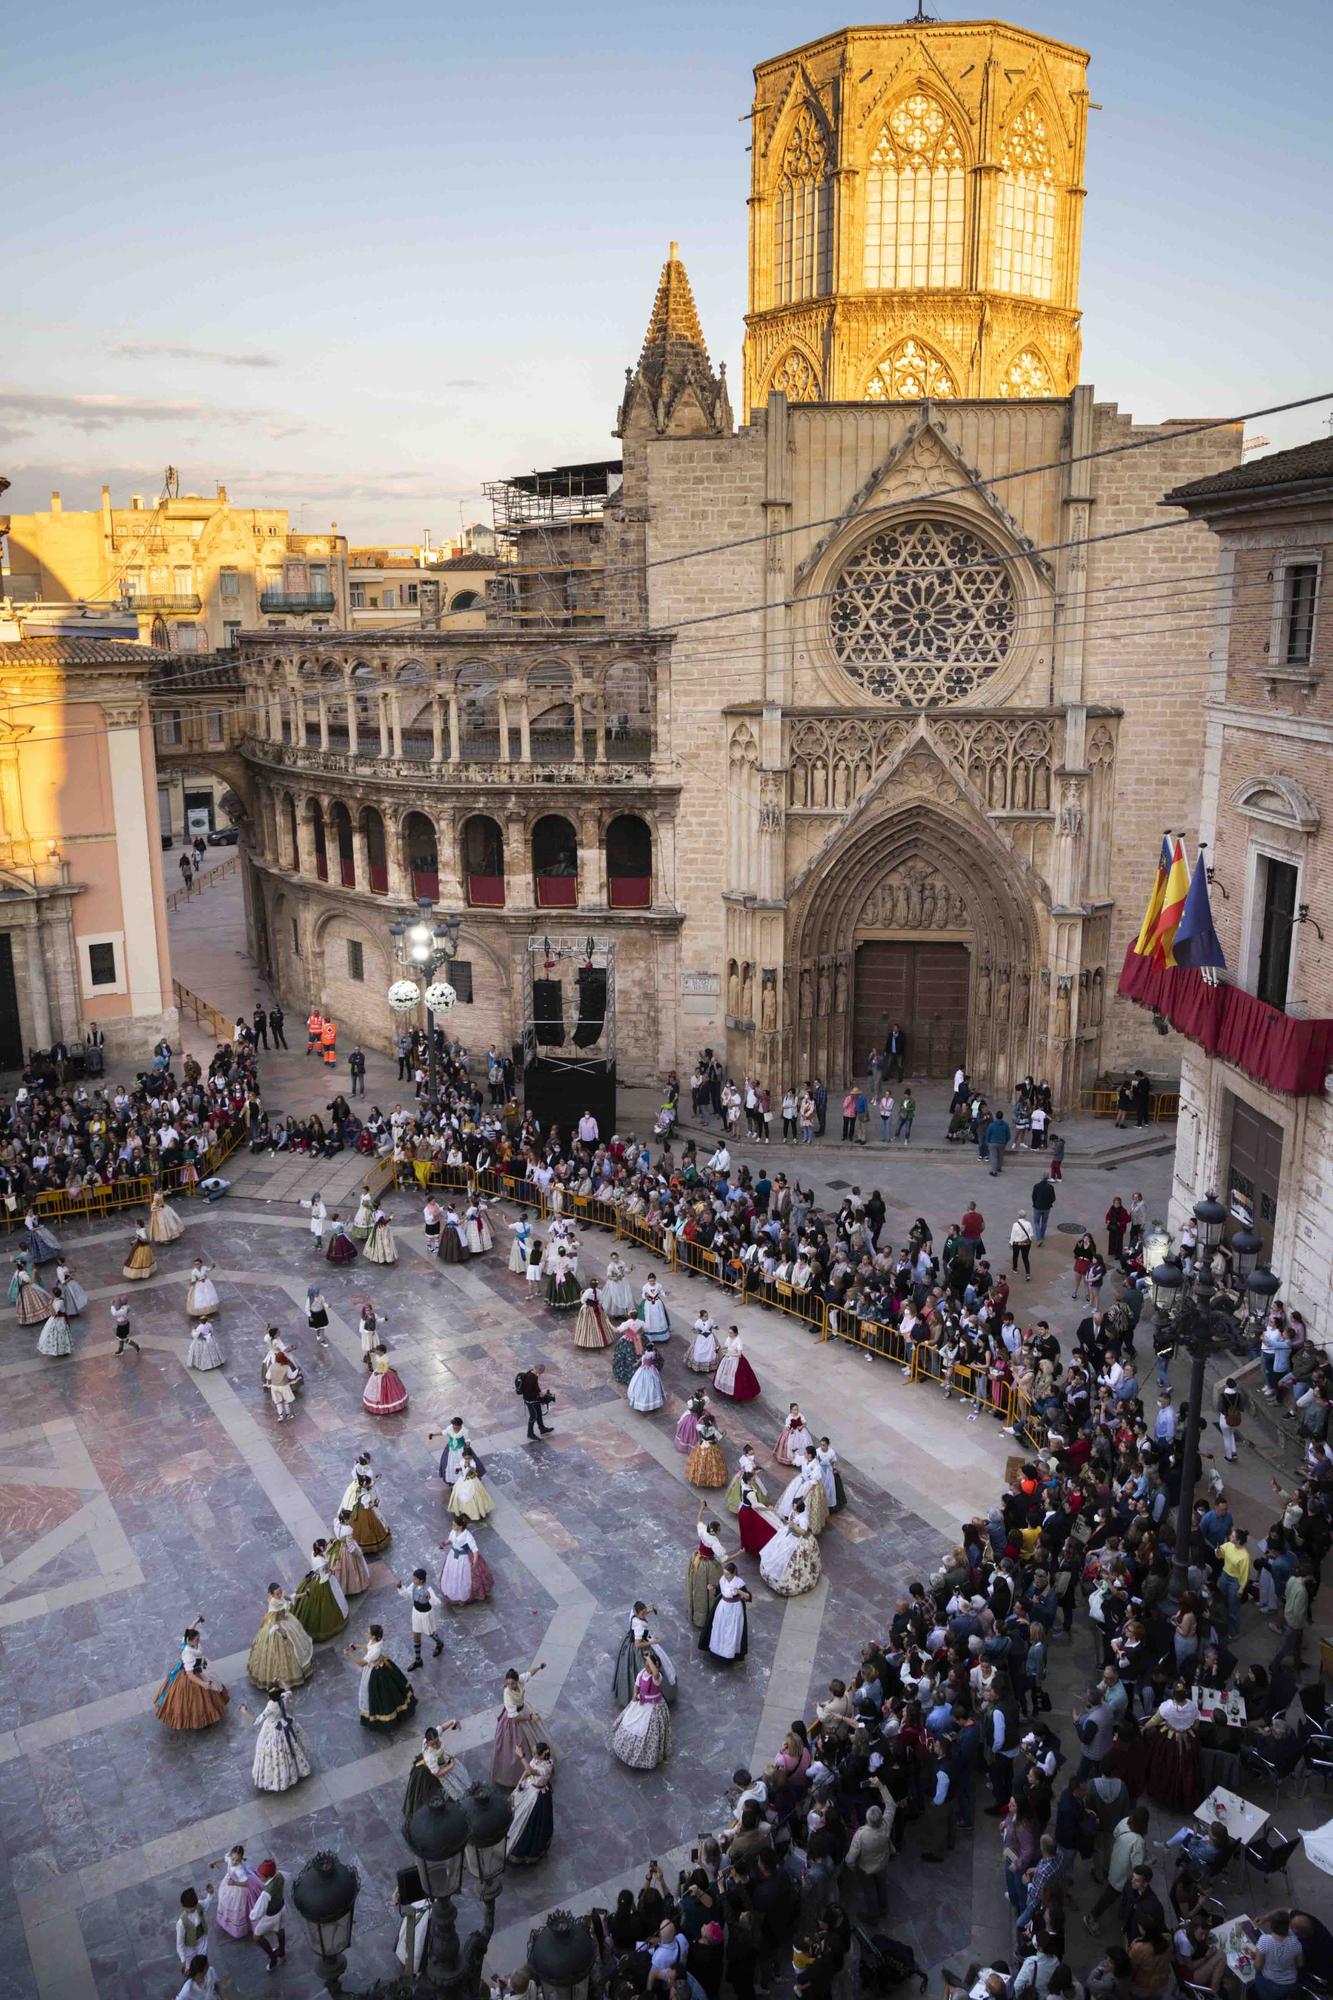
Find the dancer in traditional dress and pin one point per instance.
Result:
(282, 1755)
(319, 1216)
(735, 1378)
(39, 1243)
(53, 1341)
(532, 1819)
(518, 1249)
(465, 1575)
(341, 1248)
(380, 1246)
(756, 1522)
(282, 1650)
(517, 1729)
(468, 1498)
(32, 1302)
(793, 1438)
(747, 1471)
(282, 1388)
(641, 1737)
(653, 1312)
(362, 1501)
(806, 1487)
(535, 1272)
(627, 1352)
(384, 1394)
(644, 1393)
(455, 1445)
(590, 1327)
(827, 1459)
(368, 1326)
(705, 1567)
(317, 1314)
(364, 1219)
(22, 1268)
(204, 1351)
(201, 1297)
(141, 1262)
(476, 1232)
(268, 1913)
(164, 1225)
(562, 1287)
(434, 1775)
(276, 1349)
(424, 1603)
(702, 1357)
(726, 1634)
(617, 1291)
(634, 1647)
(386, 1696)
(238, 1888)
(705, 1465)
(318, 1602)
(71, 1291)
(189, 1697)
(346, 1559)
(687, 1425)
(790, 1562)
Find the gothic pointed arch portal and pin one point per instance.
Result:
(923, 913)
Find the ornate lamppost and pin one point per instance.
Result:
(1207, 1319)
(561, 1956)
(422, 944)
(324, 1894)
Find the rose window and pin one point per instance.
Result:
(923, 613)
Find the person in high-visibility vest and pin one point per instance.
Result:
(313, 1030)
(328, 1035)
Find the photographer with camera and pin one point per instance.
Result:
(528, 1385)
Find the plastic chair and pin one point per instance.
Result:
(1319, 1758)
(1270, 1854)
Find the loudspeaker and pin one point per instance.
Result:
(548, 1023)
(558, 1090)
(592, 1006)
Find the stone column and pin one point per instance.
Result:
(599, 725)
(446, 847)
(436, 730)
(578, 728)
(524, 729)
(455, 742)
(360, 853)
(323, 721)
(518, 861)
(396, 721)
(502, 717)
(351, 723)
(382, 700)
(400, 887)
(592, 862)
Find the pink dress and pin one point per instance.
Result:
(384, 1393)
(735, 1377)
(687, 1430)
(236, 1899)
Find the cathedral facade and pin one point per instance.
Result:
(894, 683)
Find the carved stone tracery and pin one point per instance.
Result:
(1007, 760)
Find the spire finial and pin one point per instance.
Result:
(673, 252)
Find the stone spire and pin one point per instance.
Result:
(675, 390)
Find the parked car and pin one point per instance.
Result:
(224, 836)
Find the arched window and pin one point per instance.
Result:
(914, 196)
(341, 822)
(466, 600)
(421, 855)
(377, 859)
(795, 377)
(555, 862)
(316, 812)
(293, 844)
(1024, 258)
(908, 374)
(551, 712)
(483, 863)
(478, 712)
(1027, 375)
(627, 699)
(803, 217)
(629, 863)
(414, 711)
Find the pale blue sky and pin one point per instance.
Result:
(357, 263)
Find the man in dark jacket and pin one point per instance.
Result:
(529, 1387)
(1043, 1201)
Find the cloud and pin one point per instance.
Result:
(104, 412)
(149, 350)
(462, 382)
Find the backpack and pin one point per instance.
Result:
(520, 1384)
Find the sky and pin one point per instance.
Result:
(357, 266)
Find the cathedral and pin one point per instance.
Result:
(890, 680)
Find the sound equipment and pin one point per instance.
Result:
(559, 1089)
(592, 1006)
(548, 1022)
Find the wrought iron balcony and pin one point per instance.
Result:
(185, 601)
(296, 600)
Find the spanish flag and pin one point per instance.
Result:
(1173, 904)
(1143, 943)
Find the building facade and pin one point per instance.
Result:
(411, 589)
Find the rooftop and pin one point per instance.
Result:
(75, 652)
(1297, 467)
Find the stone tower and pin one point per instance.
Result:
(915, 214)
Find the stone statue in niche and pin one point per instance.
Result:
(747, 992)
(825, 985)
(768, 999)
(733, 989)
(840, 988)
(1002, 993)
(1023, 1000)
(807, 993)
(1064, 987)
(983, 990)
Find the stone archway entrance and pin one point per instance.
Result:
(923, 987)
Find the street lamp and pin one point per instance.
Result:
(442, 1835)
(420, 945)
(1204, 1318)
(325, 1894)
(561, 1956)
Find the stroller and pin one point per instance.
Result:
(885, 1963)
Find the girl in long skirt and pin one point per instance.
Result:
(705, 1567)
(702, 1357)
(386, 1696)
(687, 1426)
(805, 1486)
(793, 1438)
(277, 1351)
(369, 1329)
(827, 1459)
(563, 1291)
(189, 1697)
(32, 1302)
(346, 1560)
(644, 1393)
(380, 1246)
(518, 1249)
(204, 1351)
(455, 1449)
(282, 1650)
(532, 1820)
(364, 1220)
(22, 1268)
(282, 1757)
(164, 1225)
(435, 1774)
(141, 1262)
(790, 1563)
(39, 1243)
(534, 1274)
(653, 1312)
(201, 1297)
(53, 1341)
(727, 1633)
(627, 1353)
(453, 1243)
(238, 1889)
(705, 1465)
(71, 1291)
(590, 1327)
(384, 1394)
(362, 1502)
(465, 1574)
(468, 1498)
(432, 1221)
(317, 1314)
(637, 1643)
(341, 1248)
(641, 1737)
(747, 1474)
(735, 1378)
(472, 1230)
(318, 1602)
(517, 1729)
(617, 1292)
(756, 1523)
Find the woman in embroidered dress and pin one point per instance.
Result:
(634, 1648)
(790, 1562)
(432, 1222)
(201, 1297)
(747, 1472)
(455, 1444)
(687, 1425)
(644, 1392)
(141, 1262)
(705, 1465)
(282, 1649)
(341, 1248)
(318, 1602)
(653, 1312)
(465, 1574)
(369, 1328)
(517, 1729)
(453, 1244)
(276, 1349)
(71, 1291)
(434, 1775)
(386, 1696)
(237, 1890)
(518, 1249)
(806, 1486)
(641, 1737)
(384, 1394)
(39, 1243)
(189, 1697)
(702, 1357)
(204, 1351)
(282, 1756)
(380, 1246)
(468, 1498)
(590, 1327)
(536, 1262)
(793, 1438)
(562, 1287)
(164, 1225)
(627, 1353)
(362, 1501)
(1172, 1741)
(617, 1291)
(317, 1314)
(32, 1302)
(346, 1560)
(364, 1220)
(53, 1341)
(704, 1568)
(532, 1819)
(827, 1459)
(472, 1228)
(756, 1522)
(726, 1632)
(735, 1378)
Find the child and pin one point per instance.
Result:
(534, 1271)
(425, 1603)
(120, 1320)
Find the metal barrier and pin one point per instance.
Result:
(218, 1024)
(136, 1191)
(1163, 1104)
(202, 882)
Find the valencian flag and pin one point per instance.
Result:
(1143, 943)
(1173, 903)
(1196, 942)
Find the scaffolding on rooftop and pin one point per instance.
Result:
(547, 529)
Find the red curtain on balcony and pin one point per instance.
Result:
(379, 877)
(557, 892)
(1275, 1049)
(630, 892)
(347, 870)
(426, 882)
(486, 892)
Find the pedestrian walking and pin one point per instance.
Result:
(906, 1116)
(1020, 1245)
(356, 1065)
(276, 1018)
(1043, 1201)
(998, 1136)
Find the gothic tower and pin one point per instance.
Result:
(915, 213)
